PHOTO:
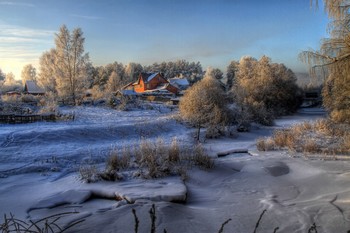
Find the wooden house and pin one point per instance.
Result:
(151, 82)
(32, 88)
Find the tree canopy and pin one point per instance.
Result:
(204, 103)
(65, 68)
(333, 58)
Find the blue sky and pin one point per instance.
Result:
(213, 32)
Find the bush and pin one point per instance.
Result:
(116, 162)
(201, 159)
(263, 144)
(322, 136)
(89, 173)
(204, 104)
(152, 160)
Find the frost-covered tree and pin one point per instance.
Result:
(47, 77)
(217, 73)
(114, 82)
(10, 79)
(231, 74)
(204, 104)
(71, 62)
(2, 75)
(190, 70)
(28, 73)
(132, 71)
(68, 62)
(334, 58)
(265, 90)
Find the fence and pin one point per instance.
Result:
(19, 119)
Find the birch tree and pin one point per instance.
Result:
(114, 82)
(71, 62)
(67, 64)
(28, 73)
(10, 79)
(47, 77)
(334, 58)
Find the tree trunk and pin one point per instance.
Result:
(198, 132)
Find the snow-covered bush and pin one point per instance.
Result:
(322, 136)
(265, 144)
(89, 173)
(201, 159)
(204, 104)
(149, 160)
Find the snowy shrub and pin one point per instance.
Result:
(89, 173)
(174, 151)
(310, 146)
(49, 107)
(213, 132)
(29, 99)
(118, 162)
(265, 144)
(322, 136)
(14, 105)
(167, 160)
(201, 159)
(284, 138)
(97, 93)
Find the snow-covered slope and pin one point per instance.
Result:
(39, 162)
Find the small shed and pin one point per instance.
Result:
(32, 88)
(181, 83)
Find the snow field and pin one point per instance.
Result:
(295, 192)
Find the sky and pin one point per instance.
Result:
(213, 32)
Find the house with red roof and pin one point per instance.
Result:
(152, 83)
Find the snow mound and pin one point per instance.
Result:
(62, 198)
(169, 190)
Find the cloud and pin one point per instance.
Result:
(20, 4)
(22, 45)
(88, 17)
(11, 30)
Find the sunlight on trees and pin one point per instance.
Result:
(204, 104)
(28, 73)
(65, 68)
(10, 79)
(334, 58)
(264, 90)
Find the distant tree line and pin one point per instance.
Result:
(260, 89)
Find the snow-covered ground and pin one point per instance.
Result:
(39, 162)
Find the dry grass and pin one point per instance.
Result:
(310, 146)
(284, 138)
(48, 224)
(118, 162)
(265, 144)
(89, 173)
(322, 136)
(150, 160)
(201, 159)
